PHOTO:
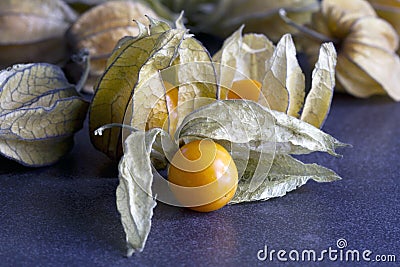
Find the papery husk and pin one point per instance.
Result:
(367, 61)
(254, 57)
(390, 11)
(133, 91)
(33, 31)
(99, 29)
(40, 111)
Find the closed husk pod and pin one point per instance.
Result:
(33, 31)
(367, 62)
(390, 11)
(99, 29)
(40, 111)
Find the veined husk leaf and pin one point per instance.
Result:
(115, 88)
(317, 104)
(33, 31)
(196, 77)
(135, 202)
(262, 129)
(36, 153)
(286, 174)
(39, 112)
(132, 89)
(61, 117)
(227, 57)
(99, 29)
(185, 63)
(149, 88)
(283, 82)
(241, 57)
(367, 59)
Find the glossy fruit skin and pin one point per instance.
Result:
(205, 174)
(245, 89)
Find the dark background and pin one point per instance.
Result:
(65, 215)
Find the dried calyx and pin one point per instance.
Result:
(99, 29)
(40, 111)
(367, 62)
(33, 31)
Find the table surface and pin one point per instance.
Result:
(66, 214)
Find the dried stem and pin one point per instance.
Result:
(100, 130)
(311, 33)
(82, 57)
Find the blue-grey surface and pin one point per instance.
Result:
(65, 215)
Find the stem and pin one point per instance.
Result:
(82, 57)
(100, 130)
(311, 33)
